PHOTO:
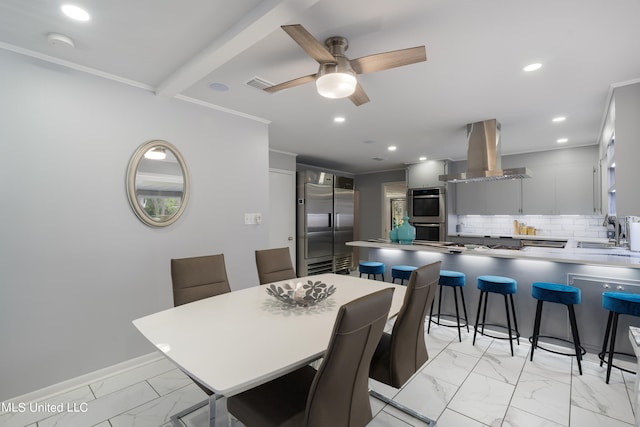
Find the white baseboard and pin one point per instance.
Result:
(83, 380)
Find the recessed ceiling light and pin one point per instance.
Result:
(338, 119)
(219, 87)
(562, 140)
(559, 119)
(422, 159)
(392, 148)
(74, 12)
(532, 67)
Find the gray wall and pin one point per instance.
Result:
(77, 265)
(282, 161)
(369, 190)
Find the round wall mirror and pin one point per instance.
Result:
(158, 183)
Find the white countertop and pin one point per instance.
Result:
(617, 257)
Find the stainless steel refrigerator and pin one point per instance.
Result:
(324, 222)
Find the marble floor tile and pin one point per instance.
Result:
(550, 365)
(169, 381)
(466, 346)
(498, 363)
(130, 377)
(581, 417)
(384, 419)
(159, 411)
(454, 419)
(438, 339)
(592, 367)
(590, 392)
(424, 394)
(544, 397)
(103, 408)
(483, 399)
(519, 418)
(462, 385)
(451, 366)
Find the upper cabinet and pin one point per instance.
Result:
(489, 198)
(563, 182)
(621, 145)
(425, 174)
(566, 188)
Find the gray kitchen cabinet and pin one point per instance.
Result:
(470, 198)
(627, 149)
(539, 192)
(425, 174)
(575, 189)
(504, 197)
(562, 182)
(566, 189)
(489, 198)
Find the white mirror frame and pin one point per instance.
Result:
(132, 171)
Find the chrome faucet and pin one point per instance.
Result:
(613, 220)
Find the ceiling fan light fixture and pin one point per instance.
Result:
(336, 80)
(336, 85)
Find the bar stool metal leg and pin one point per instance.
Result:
(506, 306)
(606, 337)
(613, 345)
(536, 328)
(464, 309)
(455, 298)
(515, 319)
(576, 336)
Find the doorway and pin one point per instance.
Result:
(394, 205)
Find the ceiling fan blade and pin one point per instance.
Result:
(291, 83)
(386, 60)
(359, 97)
(310, 44)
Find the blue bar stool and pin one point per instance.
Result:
(371, 267)
(454, 280)
(560, 294)
(617, 303)
(503, 286)
(402, 272)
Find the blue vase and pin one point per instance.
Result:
(406, 232)
(393, 234)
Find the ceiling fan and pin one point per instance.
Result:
(336, 77)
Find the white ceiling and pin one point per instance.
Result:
(476, 50)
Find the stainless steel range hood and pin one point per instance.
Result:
(483, 156)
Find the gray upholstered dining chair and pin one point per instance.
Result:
(336, 394)
(274, 265)
(400, 354)
(198, 277)
(194, 279)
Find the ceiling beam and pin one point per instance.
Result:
(268, 16)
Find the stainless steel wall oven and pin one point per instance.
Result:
(428, 213)
(427, 205)
(432, 232)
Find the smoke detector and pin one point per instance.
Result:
(56, 39)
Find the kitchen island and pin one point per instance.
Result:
(592, 270)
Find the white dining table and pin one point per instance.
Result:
(239, 340)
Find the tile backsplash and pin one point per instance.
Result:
(561, 226)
